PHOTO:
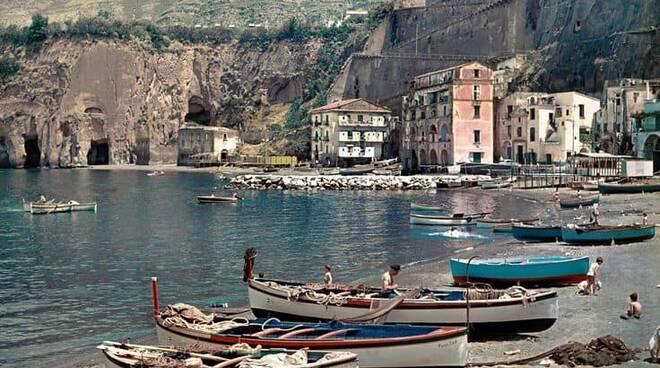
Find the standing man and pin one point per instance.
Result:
(594, 214)
(389, 286)
(593, 275)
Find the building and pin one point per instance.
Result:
(447, 118)
(210, 145)
(349, 132)
(505, 72)
(647, 136)
(534, 127)
(620, 101)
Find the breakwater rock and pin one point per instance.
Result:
(369, 182)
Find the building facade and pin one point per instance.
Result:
(349, 132)
(534, 127)
(647, 136)
(621, 100)
(206, 144)
(447, 118)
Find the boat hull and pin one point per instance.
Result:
(575, 203)
(533, 271)
(533, 233)
(612, 188)
(84, 207)
(46, 210)
(448, 351)
(505, 315)
(442, 221)
(624, 234)
(212, 199)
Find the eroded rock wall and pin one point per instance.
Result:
(79, 98)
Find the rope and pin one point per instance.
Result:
(188, 316)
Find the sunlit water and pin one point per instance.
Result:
(70, 281)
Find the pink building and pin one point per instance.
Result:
(448, 118)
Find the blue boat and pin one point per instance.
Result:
(601, 234)
(512, 271)
(536, 232)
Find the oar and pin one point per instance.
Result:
(168, 350)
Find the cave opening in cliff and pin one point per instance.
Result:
(32, 151)
(99, 153)
(197, 113)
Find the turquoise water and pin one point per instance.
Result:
(69, 281)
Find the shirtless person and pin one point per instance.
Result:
(389, 287)
(634, 307)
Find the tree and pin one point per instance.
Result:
(157, 40)
(104, 14)
(8, 67)
(38, 30)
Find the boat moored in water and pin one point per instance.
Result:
(216, 199)
(488, 223)
(557, 270)
(123, 355)
(604, 234)
(455, 219)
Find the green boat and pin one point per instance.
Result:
(622, 188)
(602, 234)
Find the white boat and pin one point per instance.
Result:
(495, 311)
(156, 173)
(57, 207)
(45, 209)
(76, 206)
(458, 219)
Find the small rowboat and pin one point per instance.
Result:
(488, 223)
(215, 199)
(602, 234)
(578, 202)
(530, 271)
(120, 355)
(456, 219)
(536, 232)
(376, 345)
(357, 170)
(491, 312)
(45, 209)
(75, 206)
(616, 188)
(584, 185)
(423, 207)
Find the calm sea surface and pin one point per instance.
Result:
(70, 281)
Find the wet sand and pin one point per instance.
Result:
(627, 268)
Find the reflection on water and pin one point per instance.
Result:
(69, 281)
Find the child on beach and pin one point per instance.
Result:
(634, 308)
(327, 277)
(593, 275)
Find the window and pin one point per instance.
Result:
(548, 158)
(532, 134)
(350, 134)
(581, 109)
(476, 156)
(635, 96)
(477, 73)
(508, 131)
(551, 117)
(476, 92)
(568, 112)
(558, 111)
(444, 110)
(360, 118)
(477, 112)
(316, 118)
(423, 114)
(477, 136)
(532, 114)
(509, 110)
(519, 132)
(224, 137)
(326, 119)
(605, 128)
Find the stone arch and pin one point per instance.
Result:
(224, 155)
(444, 157)
(433, 133)
(444, 133)
(652, 150)
(433, 157)
(197, 111)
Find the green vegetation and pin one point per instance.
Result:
(8, 66)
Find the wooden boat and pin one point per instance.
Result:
(584, 185)
(512, 271)
(44, 209)
(215, 199)
(578, 201)
(423, 207)
(119, 355)
(76, 206)
(488, 223)
(357, 170)
(455, 219)
(603, 234)
(491, 312)
(619, 188)
(536, 232)
(376, 345)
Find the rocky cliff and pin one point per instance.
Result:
(80, 102)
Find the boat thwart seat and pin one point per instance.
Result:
(297, 332)
(267, 331)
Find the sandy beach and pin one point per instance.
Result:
(627, 268)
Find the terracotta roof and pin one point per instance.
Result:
(355, 104)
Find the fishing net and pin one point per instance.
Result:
(187, 316)
(283, 360)
(603, 351)
(296, 292)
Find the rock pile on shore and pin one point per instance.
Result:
(369, 182)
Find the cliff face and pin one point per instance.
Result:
(573, 44)
(80, 102)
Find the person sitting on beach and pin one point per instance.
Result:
(593, 275)
(634, 308)
(327, 277)
(389, 287)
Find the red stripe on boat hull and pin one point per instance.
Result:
(566, 280)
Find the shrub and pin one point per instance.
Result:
(8, 67)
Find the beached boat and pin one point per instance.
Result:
(329, 172)
(584, 185)
(619, 188)
(215, 199)
(376, 345)
(455, 219)
(488, 223)
(536, 232)
(603, 234)
(578, 201)
(491, 311)
(512, 271)
(123, 355)
(357, 170)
